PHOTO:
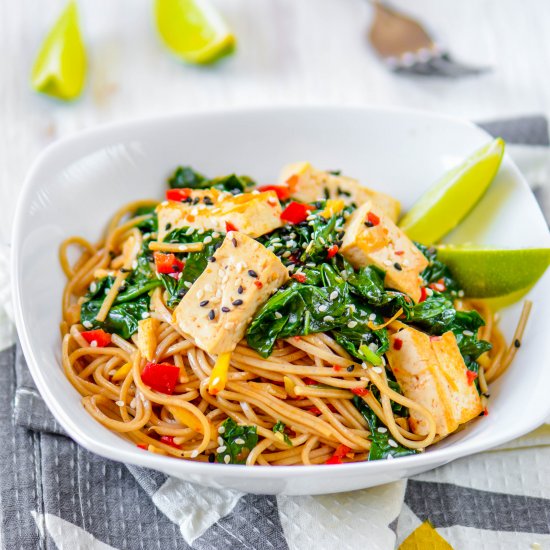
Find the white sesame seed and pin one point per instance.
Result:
(215, 234)
(93, 287)
(322, 241)
(133, 403)
(221, 429)
(372, 316)
(194, 454)
(270, 248)
(328, 318)
(323, 307)
(255, 192)
(291, 244)
(286, 254)
(364, 365)
(278, 315)
(389, 457)
(227, 459)
(221, 449)
(145, 315)
(378, 370)
(272, 200)
(190, 231)
(239, 441)
(310, 217)
(352, 324)
(467, 333)
(220, 441)
(429, 292)
(200, 293)
(87, 324)
(200, 231)
(461, 294)
(93, 343)
(392, 443)
(310, 264)
(373, 347)
(405, 262)
(187, 284)
(120, 403)
(333, 295)
(388, 262)
(382, 430)
(207, 239)
(194, 211)
(134, 264)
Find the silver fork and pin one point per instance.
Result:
(405, 46)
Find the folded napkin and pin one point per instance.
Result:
(55, 494)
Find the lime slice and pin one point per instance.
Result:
(193, 30)
(447, 202)
(491, 272)
(60, 67)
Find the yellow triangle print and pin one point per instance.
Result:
(425, 537)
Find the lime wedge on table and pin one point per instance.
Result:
(451, 198)
(60, 67)
(193, 30)
(492, 272)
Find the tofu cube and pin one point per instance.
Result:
(432, 372)
(147, 337)
(372, 238)
(309, 185)
(251, 213)
(218, 308)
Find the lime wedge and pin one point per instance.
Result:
(450, 199)
(193, 30)
(491, 272)
(60, 67)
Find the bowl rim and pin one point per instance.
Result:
(95, 135)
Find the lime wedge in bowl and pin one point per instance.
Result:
(193, 30)
(452, 197)
(491, 272)
(60, 67)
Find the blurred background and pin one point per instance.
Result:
(288, 52)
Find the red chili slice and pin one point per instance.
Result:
(423, 294)
(283, 192)
(334, 460)
(230, 227)
(332, 251)
(143, 446)
(397, 344)
(178, 194)
(373, 218)
(471, 376)
(300, 277)
(360, 391)
(99, 336)
(296, 212)
(161, 377)
(168, 440)
(167, 263)
(341, 451)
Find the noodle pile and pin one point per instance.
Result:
(260, 392)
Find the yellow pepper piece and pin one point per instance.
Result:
(60, 67)
(289, 386)
(147, 337)
(193, 30)
(122, 372)
(332, 206)
(218, 378)
(186, 418)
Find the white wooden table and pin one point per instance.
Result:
(289, 51)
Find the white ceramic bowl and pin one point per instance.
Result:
(77, 184)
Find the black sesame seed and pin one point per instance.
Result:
(326, 193)
(252, 273)
(196, 200)
(350, 368)
(168, 226)
(234, 241)
(188, 200)
(204, 303)
(111, 254)
(238, 302)
(211, 457)
(212, 259)
(397, 266)
(122, 288)
(207, 201)
(124, 270)
(225, 309)
(517, 343)
(240, 290)
(217, 245)
(211, 314)
(369, 224)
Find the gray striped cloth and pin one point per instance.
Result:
(55, 494)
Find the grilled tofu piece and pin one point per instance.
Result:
(432, 372)
(307, 184)
(372, 238)
(251, 213)
(219, 306)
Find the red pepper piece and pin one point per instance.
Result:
(332, 251)
(397, 344)
(143, 446)
(334, 460)
(161, 377)
(399, 252)
(178, 194)
(341, 451)
(167, 263)
(423, 294)
(258, 284)
(99, 336)
(309, 381)
(296, 212)
(300, 277)
(314, 410)
(168, 440)
(336, 368)
(373, 218)
(283, 192)
(471, 376)
(360, 391)
(438, 285)
(230, 227)
(485, 412)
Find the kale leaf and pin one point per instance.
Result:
(238, 442)
(186, 177)
(280, 427)
(380, 446)
(150, 225)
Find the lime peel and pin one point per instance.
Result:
(193, 30)
(60, 66)
(453, 196)
(491, 272)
